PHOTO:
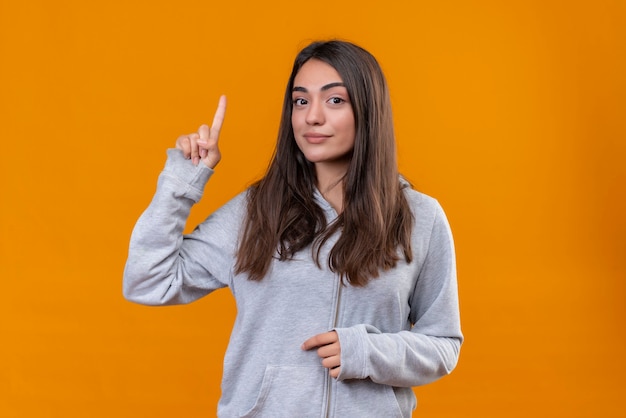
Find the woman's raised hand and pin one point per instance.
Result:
(203, 145)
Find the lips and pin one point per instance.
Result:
(315, 138)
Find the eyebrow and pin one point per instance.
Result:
(324, 88)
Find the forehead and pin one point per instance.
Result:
(316, 73)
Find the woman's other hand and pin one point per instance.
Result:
(328, 349)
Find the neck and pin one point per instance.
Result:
(330, 183)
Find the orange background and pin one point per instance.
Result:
(512, 114)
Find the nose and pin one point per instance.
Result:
(315, 113)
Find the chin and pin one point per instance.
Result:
(317, 158)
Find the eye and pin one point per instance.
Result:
(336, 100)
(299, 101)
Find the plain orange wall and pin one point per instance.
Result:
(512, 114)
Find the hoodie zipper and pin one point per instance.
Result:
(329, 379)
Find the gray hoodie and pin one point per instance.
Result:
(399, 331)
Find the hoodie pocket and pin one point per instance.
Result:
(364, 398)
(289, 391)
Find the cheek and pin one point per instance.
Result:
(296, 120)
(348, 126)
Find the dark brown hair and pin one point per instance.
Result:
(375, 225)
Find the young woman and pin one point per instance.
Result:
(344, 276)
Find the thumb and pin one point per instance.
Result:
(203, 131)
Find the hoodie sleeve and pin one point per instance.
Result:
(165, 267)
(430, 349)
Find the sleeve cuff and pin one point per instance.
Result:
(190, 179)
(353, 352)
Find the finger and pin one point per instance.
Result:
(320, 340)
(334, 372)
(183, 144)
(195, 151)
(331, 362)
(329, 350)
(203, 133)
(218, 119)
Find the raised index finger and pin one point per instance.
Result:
(218, 119)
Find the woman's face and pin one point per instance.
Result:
(322, 118)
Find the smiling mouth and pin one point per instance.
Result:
(315, 138)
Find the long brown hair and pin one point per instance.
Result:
(375, 226)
